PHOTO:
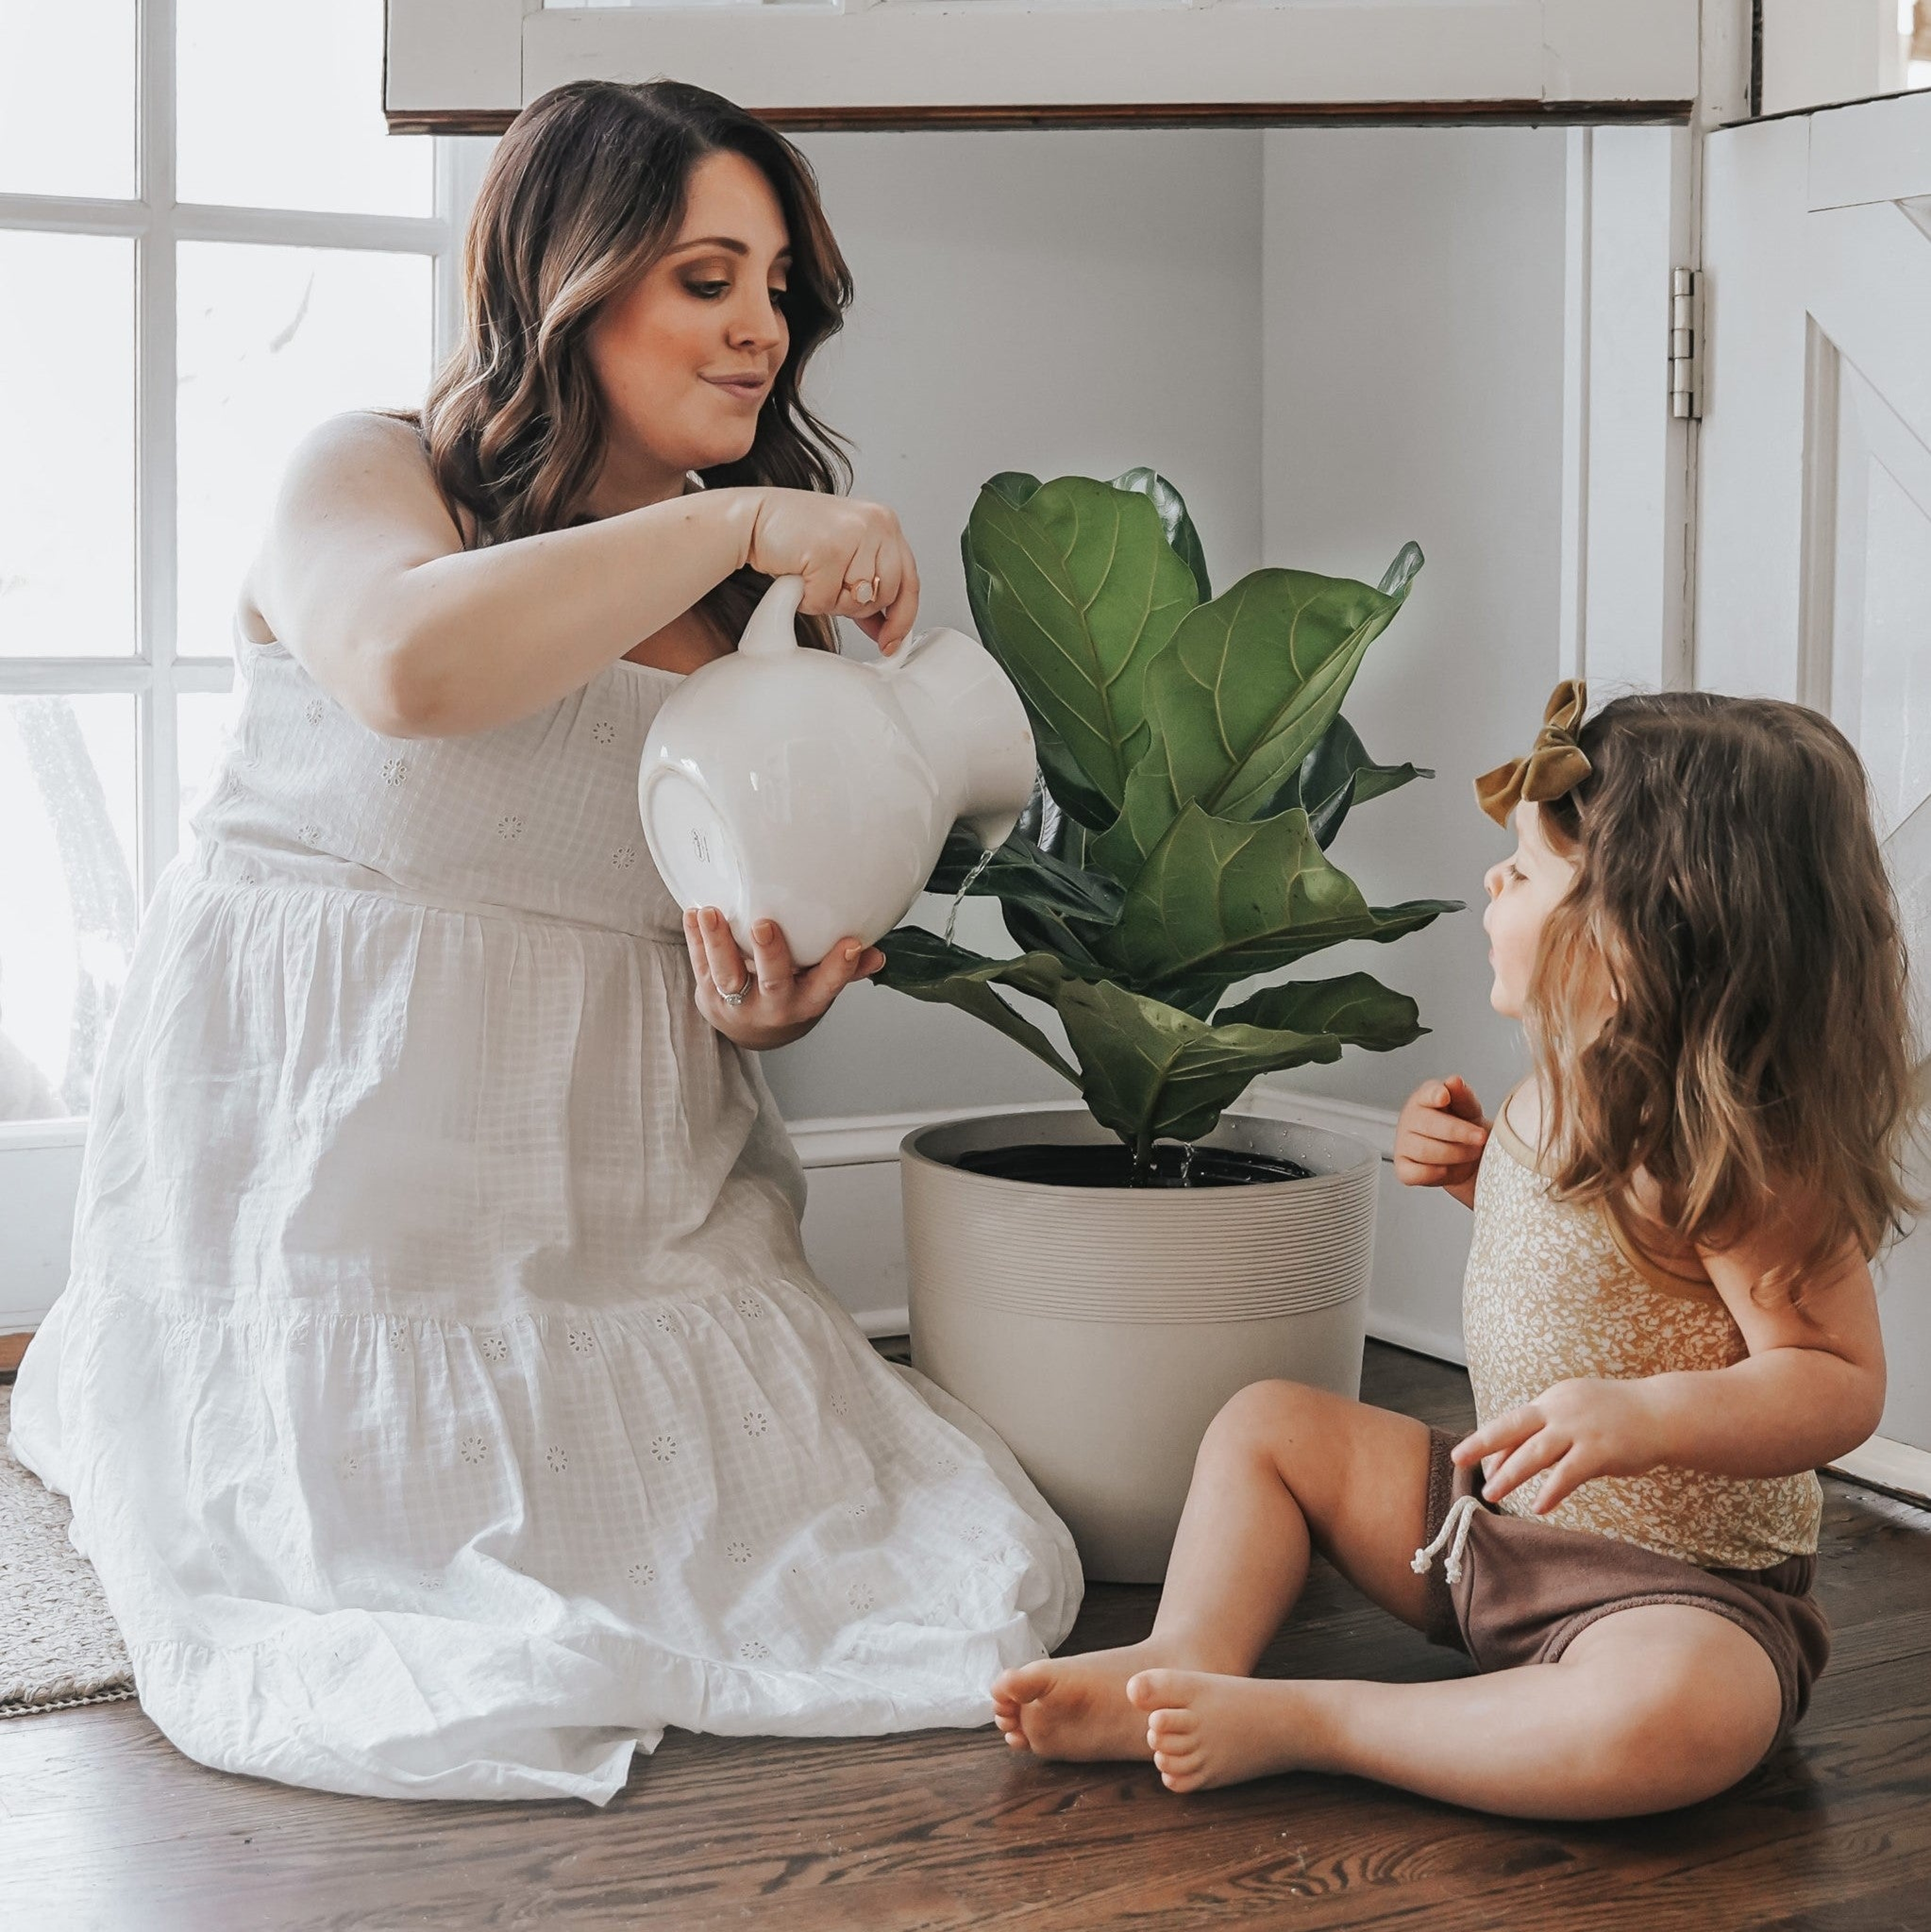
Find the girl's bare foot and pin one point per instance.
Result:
(1076, 1707)
(1205, 1730)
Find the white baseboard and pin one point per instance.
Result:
(40, 1170)
(855, 1237)
(1420, 1338)
(1894, 1466)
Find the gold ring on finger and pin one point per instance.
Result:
(862, 588)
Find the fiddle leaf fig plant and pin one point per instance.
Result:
(1195, 768)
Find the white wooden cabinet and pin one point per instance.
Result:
(468, 65)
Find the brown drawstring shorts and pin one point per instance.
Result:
(1524, 1588)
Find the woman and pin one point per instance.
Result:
(445, 1399)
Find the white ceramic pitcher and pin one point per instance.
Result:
(793, 785)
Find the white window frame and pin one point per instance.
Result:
(39, 1160)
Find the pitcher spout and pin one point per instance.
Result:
(967, 720)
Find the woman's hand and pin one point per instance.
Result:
(782, 1004)
(1440, 1137)
(852, 555)
(1575, 1430)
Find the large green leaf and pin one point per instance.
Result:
(1173, 520)
(1048, 905)
(1076, 590)
(1248, 688)
(1054, 832)
(1356, 1008)
(1018, 487)
(1334, 778)
(1146, 1071)
(1337, 776)
(921, 963)
(1064, 777)
(1020, 868)
(1060, 769)
(1221, 899)
(1149, 1072)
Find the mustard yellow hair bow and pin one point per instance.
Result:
(1556, 763)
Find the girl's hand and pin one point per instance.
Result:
(782, 1004)
(1575, 1430)
(1440, 1137)
(835, 543)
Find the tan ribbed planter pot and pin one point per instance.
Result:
(1099, 1330)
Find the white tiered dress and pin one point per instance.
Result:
(444, 1400)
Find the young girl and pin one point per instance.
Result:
(1669, 1317)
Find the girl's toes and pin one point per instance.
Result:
(1182, 1782)
(1161, 1689)
(1020, 1686)
(1154, 1689)
(1170, 1728)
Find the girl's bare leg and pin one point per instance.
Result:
(1282, 1469)
(1649, 1708)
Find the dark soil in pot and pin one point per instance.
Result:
(1175, 1164)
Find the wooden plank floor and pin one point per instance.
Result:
(103, 1824)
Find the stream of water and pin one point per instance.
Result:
(959, 898)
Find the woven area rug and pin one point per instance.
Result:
(58, 1646)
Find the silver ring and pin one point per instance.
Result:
(738, 998)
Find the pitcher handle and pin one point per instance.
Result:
(772, 631)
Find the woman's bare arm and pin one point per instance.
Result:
(364, 578)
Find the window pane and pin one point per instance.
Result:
(281, 106)
(271, 341)
(66, 98)
(204, 718)
(67, 446)
(67, 909)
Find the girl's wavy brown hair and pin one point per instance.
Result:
(1728, 887)
(585, 190)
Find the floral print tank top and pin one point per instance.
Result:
(1554, 1292)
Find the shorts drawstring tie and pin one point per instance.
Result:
(1461, 1513)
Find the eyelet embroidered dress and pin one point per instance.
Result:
(445, 1402)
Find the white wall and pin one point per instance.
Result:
(1412, 340)
(1059, 302)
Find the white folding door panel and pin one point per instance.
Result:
(1814, 535)
(1878, 544)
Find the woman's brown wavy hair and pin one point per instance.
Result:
(585, 190)
(1729, 887)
